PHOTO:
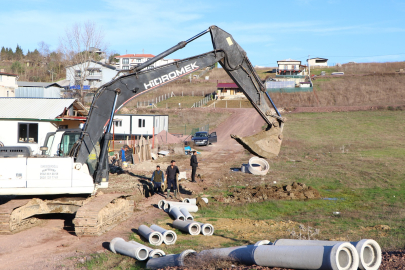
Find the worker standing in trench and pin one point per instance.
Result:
(194, 165)
(171, 175)
(158, 178)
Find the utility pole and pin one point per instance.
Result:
(309, 68)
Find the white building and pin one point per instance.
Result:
(8, 84)
(138, 125)
(94, 73)
(317, 62)
(26, 121)
(129, 61)
(291, 67)
(38, 90)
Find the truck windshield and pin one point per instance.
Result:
(201, 135)
(68, 140)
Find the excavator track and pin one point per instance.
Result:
(102, 213)
(9, 224)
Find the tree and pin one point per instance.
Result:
(17, 67)
(19, 54)
(77, 48)
(3, 54)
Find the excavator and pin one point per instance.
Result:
(68, 183)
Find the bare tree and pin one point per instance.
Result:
(78, 47)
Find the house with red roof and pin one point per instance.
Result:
(130, 61)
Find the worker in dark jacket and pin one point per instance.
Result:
(171, 175)
(194, 165)
(158, 178)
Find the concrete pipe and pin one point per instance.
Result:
(166, 205)
(169, 236)
(119, 245)
(369, 251)
(186, 213)
(194, 201)
(154, 238)
(161, 204)
(258, 166)
(190, 227)
(241, 254)
(192, 208)
(206, 229)
(176, 213)
(341, 256)
(153, 253)
(169, 260)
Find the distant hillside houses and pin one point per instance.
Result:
(317, 62)
(130, 61)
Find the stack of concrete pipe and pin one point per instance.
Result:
(206, 229)
(169, 236)
(169, 260)
(187, 226)
(154, 237)
(304, 254)
(167, 205)
(134, 249)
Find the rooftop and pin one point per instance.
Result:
(288, 60)
(35, 108)
(8, 74)
(37, 84)
(136, 56)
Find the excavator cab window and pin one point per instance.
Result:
(67, 142)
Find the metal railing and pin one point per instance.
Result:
(202, 102)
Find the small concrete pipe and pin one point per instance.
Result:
(186, 213)
(154, 238)
(241, 254)
(194, 201)
(258, 166)
(368, 250)
(190, 227)
(176, 213)
(169, 260)
(341, 256)
(206, 229)
(169, 236)
(161, 204)
(192, 208)
(153, 253)
(119, 245)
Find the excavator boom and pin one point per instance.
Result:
(92, 147)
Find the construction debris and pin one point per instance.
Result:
(295, 191)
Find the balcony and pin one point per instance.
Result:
(98, 77)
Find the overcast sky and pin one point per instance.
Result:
(340, 30)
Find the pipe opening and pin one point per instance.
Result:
(368, 255)
(182, 218)
(193, 229)
(155, 238)
(161, 204)
(143, 254)
(190, 218)
(207, 230)
(169, 237)
(187, 201)
(344, 259)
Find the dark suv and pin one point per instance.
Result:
(203, 138)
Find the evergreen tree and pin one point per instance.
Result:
(19, 54)
(3, 53)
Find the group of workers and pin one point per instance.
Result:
(172, 171)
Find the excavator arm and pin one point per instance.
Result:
(111, 97)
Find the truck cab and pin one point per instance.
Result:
(60, 143)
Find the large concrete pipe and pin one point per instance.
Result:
(153, 253)
(169, 236)
(176, 213)
(161, 203)
(154, 238)
(241, 254)
(258, 166)
(186, 213)
(206, 229)
(341, 256)
(169, 260)
(190, 227)
(119, 245)
(192, 208)
(368, 250)
(194, 201)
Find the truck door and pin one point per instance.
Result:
(213, 137)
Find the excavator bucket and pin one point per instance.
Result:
(265, 144)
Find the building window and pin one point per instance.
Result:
(63, 127)
(125, 67)
(138, 60)
(118, 123)
(27, 133)
(125, 61)
(78, 73)
(141, 122)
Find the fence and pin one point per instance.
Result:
(153, 102)
(240, 103)
(189, 130)
(202, 102)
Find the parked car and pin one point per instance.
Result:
(203, 138)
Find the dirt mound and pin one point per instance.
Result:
(165, 137)
(295, 191)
